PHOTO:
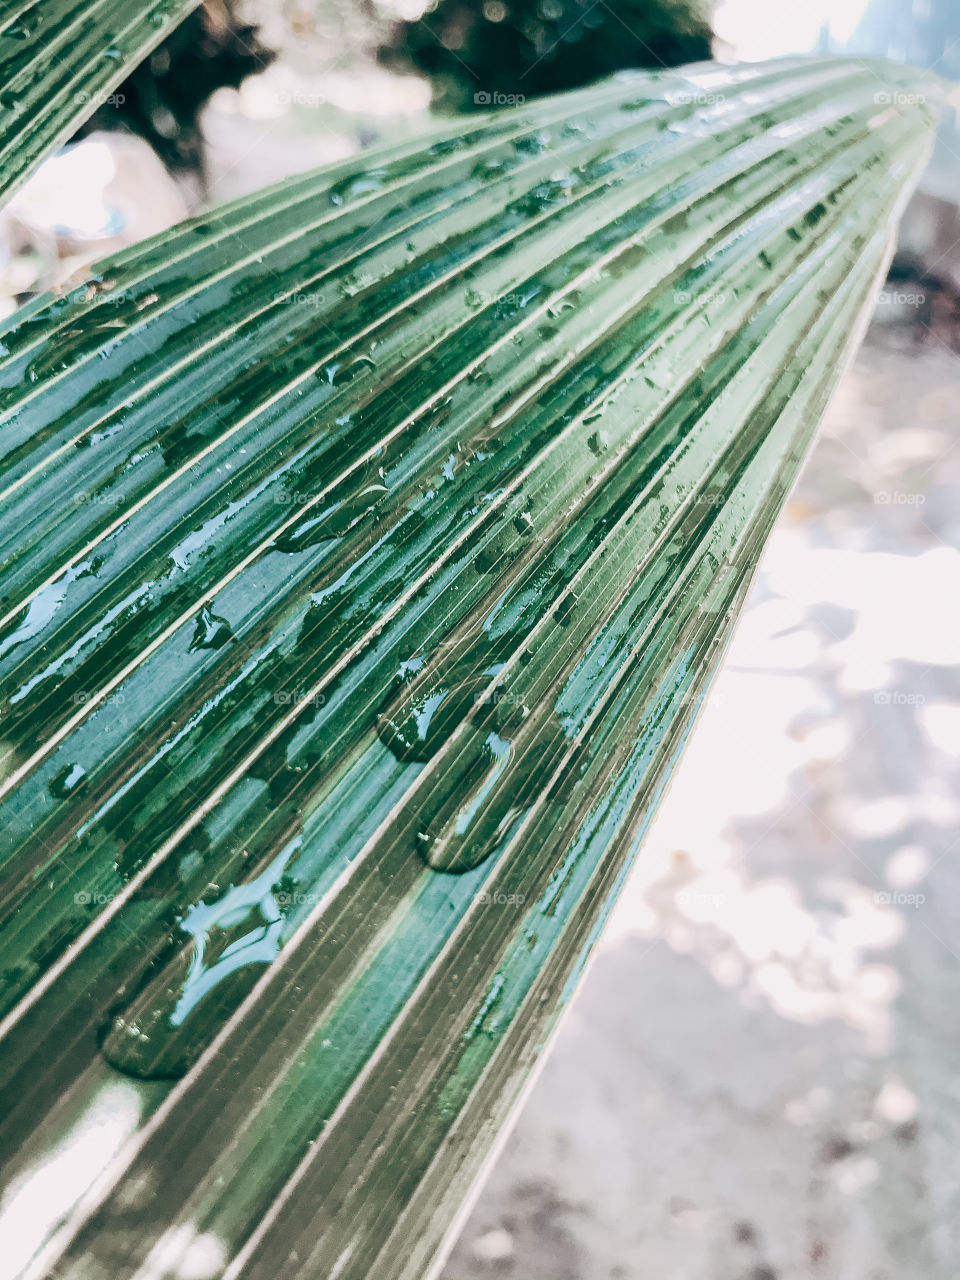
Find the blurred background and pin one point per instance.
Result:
(757, 1080)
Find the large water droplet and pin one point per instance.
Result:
(211, 631)
(66, 781)
(22, 30)
(462, 829)
(154, 1037)
(358, 184)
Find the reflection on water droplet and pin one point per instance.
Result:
(556, 309)
(360, 184)
(533, 144)
(25, 27)
(462, 811)
(485, 1021)
(458, 825)
(359, 364)
(413, 728)
(211, 631)
(42, 608)
(488, 168)
(547, 195)
(67, 780)
(257, 944)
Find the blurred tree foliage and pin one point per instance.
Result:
(162, 99)
(481, 54)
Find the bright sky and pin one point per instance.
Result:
(761, 29)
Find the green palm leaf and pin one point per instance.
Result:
(59, 61)
(367, 548)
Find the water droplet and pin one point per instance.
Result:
(418, 725)
(556, 309)
(486, 1022)
(211, 631)
(488, 168)
(232, 937)
(359, 184)
(67, 780)
(533, 144)
(547, 195)
(27, 26)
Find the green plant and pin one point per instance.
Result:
(367, 548)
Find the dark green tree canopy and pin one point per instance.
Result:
(498, 52)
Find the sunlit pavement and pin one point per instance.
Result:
(758, 1079)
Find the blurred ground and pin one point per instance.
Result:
(757, 1079)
